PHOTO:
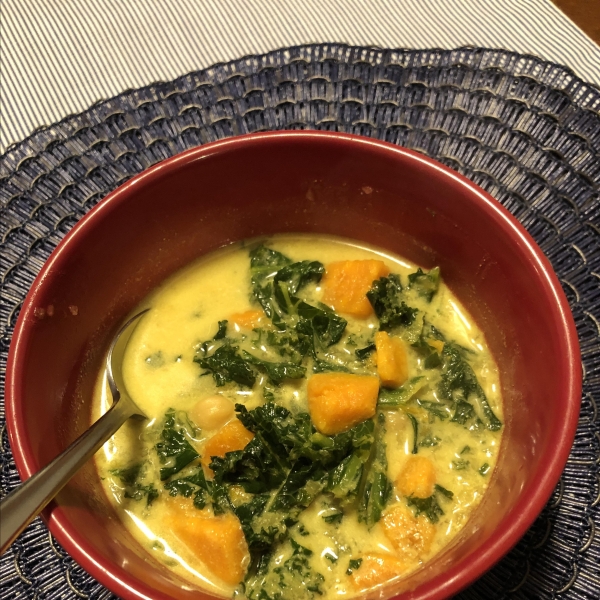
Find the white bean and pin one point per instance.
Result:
(212, 412)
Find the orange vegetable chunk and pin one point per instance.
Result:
(247, 320)
(346, 283)
(437, 344)
(410, 535)
(338, 401)
(376, 568)
(416, 478)
(231, 437)
(392, 360)
(218, 541)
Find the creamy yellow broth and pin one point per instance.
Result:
(160, 374)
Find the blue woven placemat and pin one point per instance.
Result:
(525, 130)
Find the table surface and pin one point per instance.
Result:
(59, 58)
(585, 13)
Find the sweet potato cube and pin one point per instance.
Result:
(218, 541)
(411, 536)
(339, 401)
(247, 320)
(231, 437)
(392, 360)
(416, 478)
(346, 284)
(376, 568)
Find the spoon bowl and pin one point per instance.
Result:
(23, 504)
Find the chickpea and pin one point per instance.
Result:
(212, 412)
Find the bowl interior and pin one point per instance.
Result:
(278, 183)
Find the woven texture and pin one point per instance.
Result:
(60, 57)
(525, 130)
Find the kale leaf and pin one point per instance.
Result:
(275, 283)
(425, 345)
(385, 298)
(344, 481)
(459, 383)
(222, 330)
(425, 284)
(484, 469)
(133, 488)
(399, 396)
(435, 409)
(321, 323)
(174, 450)
(353, 565)
(430, 506)
(375, 487)
(363, 353)
(226, 365)
(276, 371)
(194, 484)
(297, 275)
(293, 579)
(264, 264)
(415, 427)
(325, 366)
(286, 466)
(429, 441)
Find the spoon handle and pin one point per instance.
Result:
(23, 504)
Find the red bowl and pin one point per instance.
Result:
(270, 183)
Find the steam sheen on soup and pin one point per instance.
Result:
(323, 418)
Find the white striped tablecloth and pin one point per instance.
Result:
(57, 57)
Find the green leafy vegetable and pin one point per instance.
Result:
(321, 323)
(484, 469)
(276, 372)
(393, 398)
(297, 275)
(130, 477)
(435, 409)
(264, 264)
(463, 412)
(423, 345)
(275, 281)
(294, 579)
(222, 332)
(174, 450)
(441, 490)
(323, 366)
(332, 515)
(385, 298)
(459, 383)
(194, 484)
(375, 489)
(353, 565)
(345, 479)
(226, 365)
(430, 506)
(286, 466)
(425, 284)
(363, 353)
(415, 426)
(460, 465)
(429, 441)
(304, 329)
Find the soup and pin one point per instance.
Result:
(322, 418)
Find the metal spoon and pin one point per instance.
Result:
(23, 504)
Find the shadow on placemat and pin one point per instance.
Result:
(525, 130)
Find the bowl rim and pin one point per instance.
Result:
(443, 585)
